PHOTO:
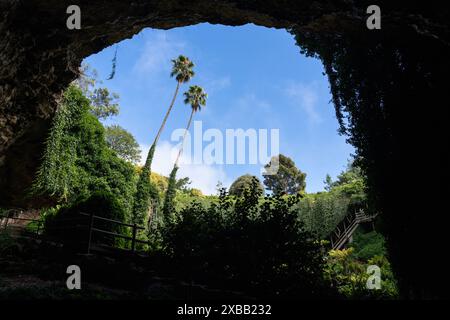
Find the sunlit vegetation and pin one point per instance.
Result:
(77, 160)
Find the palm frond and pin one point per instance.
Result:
(196, 97)
(182, 69)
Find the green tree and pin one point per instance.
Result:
(287, 179)
(352, 184)
(182, 71)
(159, 181)
(77, 161)
(350, 175)
(123, 143)
(103, 103)
(87, 79)
(169, 205)
(321, 212)
(328, 182)
(238, 187)
(183, 183)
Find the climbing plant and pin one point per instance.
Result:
(77, 160)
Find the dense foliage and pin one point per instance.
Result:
(123, 143)
(389, 90)
(145, 198)
(350, 276)
(367, 245)
(169, 205)
(321, 212)
(258, 247)
(77, 161)
(103, 103)
(286, 178)
(238, 187)
(67, 224)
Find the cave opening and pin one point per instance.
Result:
(391, 83)
(256, 81)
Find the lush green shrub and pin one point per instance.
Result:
(169, 204)
(322, 212)
(146, 198)
(7, 243)
(347, 269)
(185, 199)
(244, 182)
(368, 245)
(146, 192)
(77, 160)
(255, 245)
(349, 276)
(68, 225)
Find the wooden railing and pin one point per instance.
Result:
(344, 230)
(134, 231)
(338, 238)
(91, 228)
(7, 219)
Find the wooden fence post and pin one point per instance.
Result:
(133, 241)
(91, 225)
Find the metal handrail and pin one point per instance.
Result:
(91, 228)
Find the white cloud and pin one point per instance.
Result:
(204, 177)
(305, 96)
(217, 84)
(159, 49)
(252, 103)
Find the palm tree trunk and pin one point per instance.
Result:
(148, 161)
(184, 137)
(167, 114)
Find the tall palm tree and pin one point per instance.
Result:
(196, 98)
(182, 71)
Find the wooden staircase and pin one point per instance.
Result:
(344, 230)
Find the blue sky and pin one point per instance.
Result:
(255, 78)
